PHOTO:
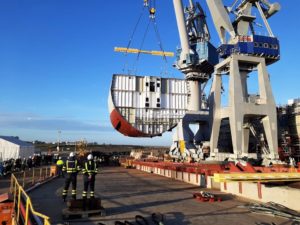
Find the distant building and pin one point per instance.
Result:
(289, 128)
(13, 148)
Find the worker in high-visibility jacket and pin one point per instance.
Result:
(59, 167)
(71, 168)
(89, 176)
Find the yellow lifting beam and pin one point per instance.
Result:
(137, 51)
(256, 177)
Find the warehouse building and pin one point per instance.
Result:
(13, 148)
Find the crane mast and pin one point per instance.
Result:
(195, 59)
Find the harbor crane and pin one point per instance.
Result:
(245, 54)
(147, 106)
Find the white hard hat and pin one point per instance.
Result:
(72, 154)
(90, 157)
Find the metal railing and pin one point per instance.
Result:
(24, 214)
(30, 177)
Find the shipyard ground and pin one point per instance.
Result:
(129, 192)
(4, 185)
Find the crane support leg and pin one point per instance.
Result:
(187, 143)
(215, 113)
(243, 106)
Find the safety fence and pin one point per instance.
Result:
(33, 176)
(24, 214)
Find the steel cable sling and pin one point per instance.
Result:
(150, 5)
(133, 32)
(143, 41)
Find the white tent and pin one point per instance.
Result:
(13, 148)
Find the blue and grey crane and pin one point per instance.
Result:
(245, 53)
(196, 59)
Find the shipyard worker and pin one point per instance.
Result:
(24, 164)
(29, 163)
(18, 164)
(71, 167)
(89, 172)
(59, 166)
(1, 169)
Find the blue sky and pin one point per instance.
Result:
(57, 60)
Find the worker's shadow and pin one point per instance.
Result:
(175, 218)
(263, 223)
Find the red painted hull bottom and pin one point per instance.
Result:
(121, 125)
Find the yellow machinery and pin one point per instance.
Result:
(6, 209)
(138, 51)
(127, 162)
(81, 148)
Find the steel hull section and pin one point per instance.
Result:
(120, 124)
(146, 106)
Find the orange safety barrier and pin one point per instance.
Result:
(6, 209)
(210, 169)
